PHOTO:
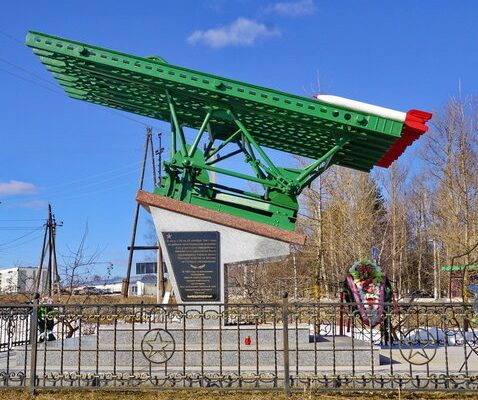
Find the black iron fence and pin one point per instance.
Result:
(259, 346)
(14, 326)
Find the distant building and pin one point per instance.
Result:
(462, 277)
(18, 279)
(143, 268)
(144, 285)
(148, 268)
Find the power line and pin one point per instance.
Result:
(118, 114)
(28, 72)
(22, 227)
(20, 237)
(2, 250)
(11, 37)
(89, 104)
(16, 228)
(87, 193)
(29, 80)
(51, 83)
(136, 163)
(93, 192)
(21, 220)
(99, 182)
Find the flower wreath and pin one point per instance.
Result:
(368, 287)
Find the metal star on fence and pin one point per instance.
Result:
(419, 356)
(417, 350)
(158, 346)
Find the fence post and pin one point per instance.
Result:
(33, 344)
(285, 331)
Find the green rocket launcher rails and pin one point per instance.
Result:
(235, 118)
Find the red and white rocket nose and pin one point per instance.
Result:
(361, 107)
(413, 123)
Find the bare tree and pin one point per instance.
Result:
(78, 263)
(451, 154)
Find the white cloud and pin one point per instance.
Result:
(293, 8)
(36, 204)
(242, 31)
(16, 187)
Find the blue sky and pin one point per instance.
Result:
(85, 160)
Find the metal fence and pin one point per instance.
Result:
(260, 346)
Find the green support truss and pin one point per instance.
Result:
(234, 117)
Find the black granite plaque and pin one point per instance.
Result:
(195, 261)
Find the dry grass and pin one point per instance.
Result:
(81, 299)
(216, 395)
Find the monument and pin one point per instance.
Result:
(207, 216)
(204, 224)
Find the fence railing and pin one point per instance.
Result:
(14, 326)
(321, 346)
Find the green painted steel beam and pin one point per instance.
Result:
(278, 120)
(266, 118)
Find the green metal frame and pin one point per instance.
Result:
(187, 179)
(239, 118)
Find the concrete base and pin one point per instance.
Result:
(235, 245)
(208, 349)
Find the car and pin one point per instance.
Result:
(88, 290)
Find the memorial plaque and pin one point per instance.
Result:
(195, 261)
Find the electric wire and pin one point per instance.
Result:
(90, 184)
(11, 37)
(62, 94)
(29, 80)
(51, 83)
(92, 192)
(28, 72)
(7, 245)
(7, 248)
(86, 178)
(20, 237)
(53, 194)
(18, 228)
(22, 220)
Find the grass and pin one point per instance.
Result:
(81, 299)
(228, 395)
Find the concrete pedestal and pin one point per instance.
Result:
(235, 245)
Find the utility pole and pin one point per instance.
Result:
(156, 178)
(55, 274)
(159, 255)
(160, 270)
(125, 286)
(51, 283)
(42, 259)
(48, 283)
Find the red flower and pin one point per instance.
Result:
(367, 282)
